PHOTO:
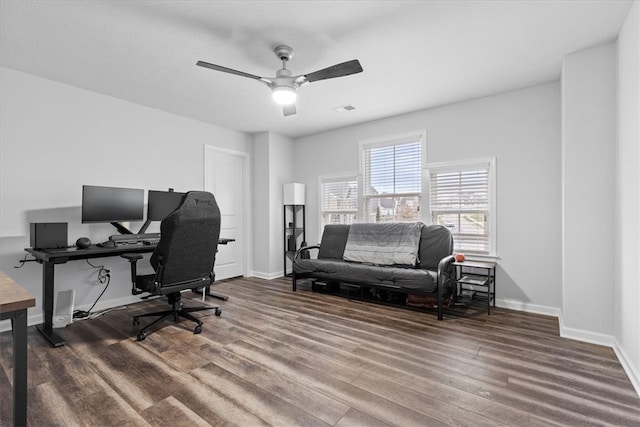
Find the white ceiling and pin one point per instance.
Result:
(415, 54)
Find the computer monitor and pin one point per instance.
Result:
(111, 204)
(162, 203)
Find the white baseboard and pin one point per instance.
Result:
(631, 371)
(118, 302)
(527, 307)
(267, 276)
(565, 332)
(34, 319)
(38, 318)
(586, 336)
(607, 341)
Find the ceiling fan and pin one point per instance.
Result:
(284, 85)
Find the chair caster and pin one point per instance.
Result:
(141, 336)
(218, 312)
(197, 330)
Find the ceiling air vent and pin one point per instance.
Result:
(344, 108)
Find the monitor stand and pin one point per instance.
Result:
(121, 228)
(144, 227)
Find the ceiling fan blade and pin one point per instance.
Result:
(289, 110)
(338, 70)
(226, 70)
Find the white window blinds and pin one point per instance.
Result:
(460, 199)
(393, 180)
(339, 200)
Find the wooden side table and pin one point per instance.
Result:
(471, 275)
(14, 301)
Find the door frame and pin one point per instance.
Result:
(246, 200)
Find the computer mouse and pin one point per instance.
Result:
(83, 243)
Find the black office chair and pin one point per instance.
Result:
(183, 259)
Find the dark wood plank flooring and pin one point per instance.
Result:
(281, 358)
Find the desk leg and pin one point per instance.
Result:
(19, 328)
(46, 329)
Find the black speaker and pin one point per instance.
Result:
(49, 235)
(291, 243)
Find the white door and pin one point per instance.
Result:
(225, 177)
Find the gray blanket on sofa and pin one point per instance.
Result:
(384, 243)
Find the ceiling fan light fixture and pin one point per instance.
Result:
(284, 95)
(284, 85)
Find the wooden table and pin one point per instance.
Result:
(14, 301)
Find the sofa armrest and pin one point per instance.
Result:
(296, 256)
(304, 248)
(445, 274)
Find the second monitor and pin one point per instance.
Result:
(162, 203)
(159, 205)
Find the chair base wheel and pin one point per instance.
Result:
(218, 312)
(197, 329)
(141, 336)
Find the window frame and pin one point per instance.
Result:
(465, 165)
(343, 177)
(387, 141)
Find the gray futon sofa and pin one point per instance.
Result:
(409, 258)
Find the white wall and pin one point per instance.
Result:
(626, 313)
(273, 157)
(589, 135)
(54, 138)
(261, 213)
(280, 161)
(522, 130)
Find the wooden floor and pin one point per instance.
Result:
(281, 358)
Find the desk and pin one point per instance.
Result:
(50, 257)
(14, 301)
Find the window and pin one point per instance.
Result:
(461, 197)
(392, 174)
(339, 200)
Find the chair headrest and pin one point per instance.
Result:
(196, 198)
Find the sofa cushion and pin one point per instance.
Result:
(334, 239)
(390, 243)
(409, 279)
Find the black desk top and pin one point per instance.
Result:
(93, 251)
(72, 253)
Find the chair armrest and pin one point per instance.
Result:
(133, 260)
(304, 248)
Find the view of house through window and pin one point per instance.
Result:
(392, 172)
(460, 199)
(339, 200)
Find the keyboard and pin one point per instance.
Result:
(153, 238)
